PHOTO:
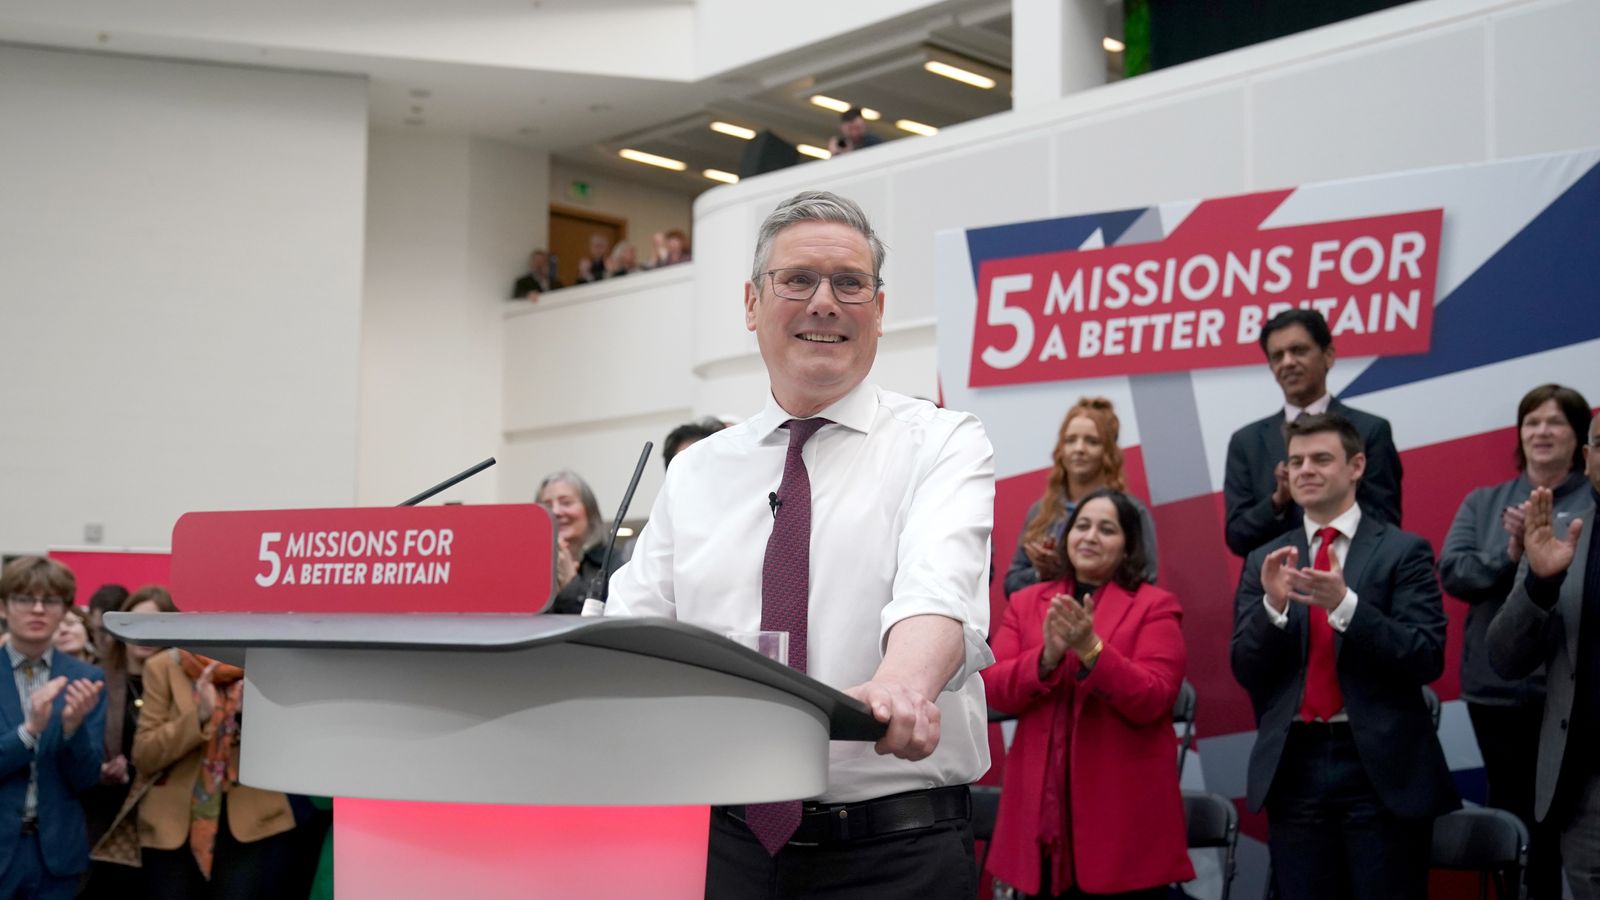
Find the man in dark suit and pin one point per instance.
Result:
(1299, 349)
(1552, 619)
(1334, 657)
(52, 727)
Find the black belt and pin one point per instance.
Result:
(29, 826)
(838, 823)
(1322, 730)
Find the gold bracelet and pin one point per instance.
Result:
(1094, 653)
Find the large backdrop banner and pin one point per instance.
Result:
(1450, 293)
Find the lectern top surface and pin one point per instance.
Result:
(227, 635)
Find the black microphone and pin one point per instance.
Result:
(450, 482)
(594, 606)
(774, 502)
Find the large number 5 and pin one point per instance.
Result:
(269, 555)
(1009, 317)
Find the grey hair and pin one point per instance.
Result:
(596, 531)
(815, 206)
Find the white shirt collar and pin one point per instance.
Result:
(854, 410)
(1345, 523)
(1315, 407)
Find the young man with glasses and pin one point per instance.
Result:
(52, 728)
(857, 520)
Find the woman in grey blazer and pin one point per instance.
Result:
(1478, 566)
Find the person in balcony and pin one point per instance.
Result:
(593, 266)
(624, 260)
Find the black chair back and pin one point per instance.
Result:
(1183, 712)
(1213, 822)
(1491, 842)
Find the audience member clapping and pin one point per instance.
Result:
(671, 247)
(593, 266)
(1086, 458)
(624, 260)
(204, 834)
(580, 543)
(1478, 565)
(72, 635)
(112, 806)
(1091, 662)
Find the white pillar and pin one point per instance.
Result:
(1055, 49)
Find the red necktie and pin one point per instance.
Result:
(785, 593)
(1323, 698)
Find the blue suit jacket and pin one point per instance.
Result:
(66, 768)
(1393, 646)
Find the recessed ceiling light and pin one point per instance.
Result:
(916, 127)
(1113, 45)
(650, 159)
(719, 175)
(732, 130)
(870, 114)
(955, 73)
(837, 106)
(814, 150)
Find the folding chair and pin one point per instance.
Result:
(1491, 842)
(1183, 711)
(1213, 822)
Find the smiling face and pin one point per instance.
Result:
(816, 350)
(71, 635)
(1322, 479)
(1548, 440)
(1095, 543)
(572, 522)
(1300, 366)
(1082, 453)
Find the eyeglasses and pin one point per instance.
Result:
(802, 284)
(26, 602)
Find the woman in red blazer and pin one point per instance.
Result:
(1090, 804)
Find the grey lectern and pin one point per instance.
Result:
(584, 711)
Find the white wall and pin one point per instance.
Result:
(1431, 83)
(647, 209)
(583, 393)
(180, 287)
(733, 33)
(450, 223)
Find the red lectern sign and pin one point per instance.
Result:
(482, 559)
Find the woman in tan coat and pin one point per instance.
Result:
(203, 834)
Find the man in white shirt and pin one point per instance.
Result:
(1334, 655)
(884, 585)
(1255, 488)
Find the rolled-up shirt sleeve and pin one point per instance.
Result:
(943, 548)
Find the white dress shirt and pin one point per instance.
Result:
(1315, 407)
(1338, 617)
(902, 504)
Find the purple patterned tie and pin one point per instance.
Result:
(785, 590)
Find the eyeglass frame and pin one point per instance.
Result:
(45, 603)
(877, 284)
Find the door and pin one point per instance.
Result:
(570, 229)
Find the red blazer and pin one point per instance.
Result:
(1110, 731)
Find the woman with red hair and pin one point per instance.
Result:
(1085, 460)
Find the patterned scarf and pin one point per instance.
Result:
(218, 771)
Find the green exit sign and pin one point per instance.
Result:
(580, 190)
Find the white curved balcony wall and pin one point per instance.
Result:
(591, 373)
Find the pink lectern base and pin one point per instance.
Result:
(395, 850)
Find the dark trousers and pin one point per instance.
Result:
(259, 870)
(1331, 836)
(1508, 738)
(934, 863)
(26, 878)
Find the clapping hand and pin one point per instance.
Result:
(1276, 572)
(1046, 561)
(82, 694)
(1547, 552)
(205, 693)
(114, 770)
(1513, 519)
(1068, 625)
(1281, 498)
(1321, 588)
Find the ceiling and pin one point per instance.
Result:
(463, 67)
